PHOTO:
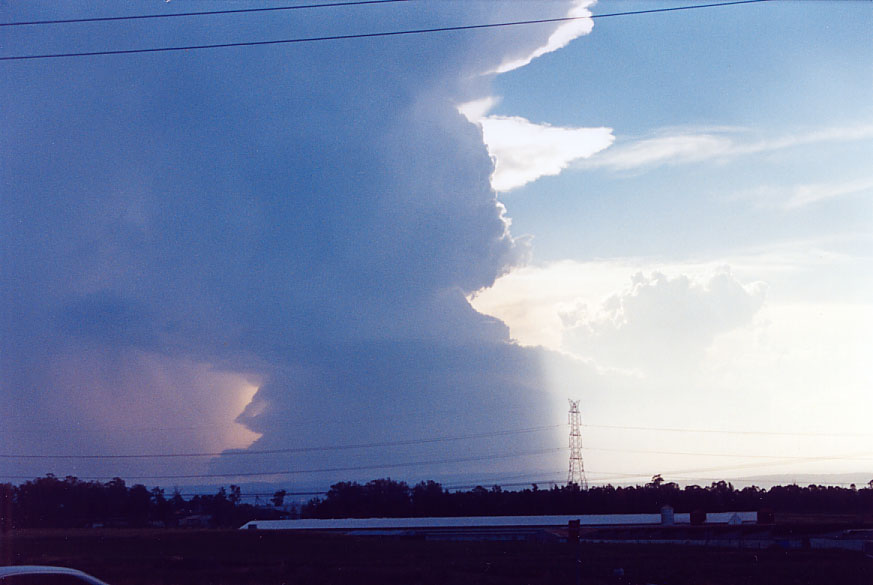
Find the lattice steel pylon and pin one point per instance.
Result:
(577, 468)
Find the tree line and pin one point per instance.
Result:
(52, 502)
(387, 498)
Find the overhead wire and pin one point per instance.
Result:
(408, 442)
(403, 32)
(727, 432)
(441, 439)
(605, 476)
(758, 464)
(699, 454)
(758, 480)
(330, 469)
(363, 417)
(612, 474)
(203, 13)
(290, 450)
(103, 430)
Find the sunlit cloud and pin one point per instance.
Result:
(671, 336)
(527, 299)
(563, 35)
(561, 305)
(676, 149)
(524, 151)
(536, 300)
(475, 110)
(659, 321)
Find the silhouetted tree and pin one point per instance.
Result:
(278, 498)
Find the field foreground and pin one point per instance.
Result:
(232, 557)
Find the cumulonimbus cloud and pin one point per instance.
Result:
(302, 225)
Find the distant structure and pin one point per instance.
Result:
(577, 469)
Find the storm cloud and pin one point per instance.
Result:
(286, 235)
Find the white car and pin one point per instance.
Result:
(39, 575)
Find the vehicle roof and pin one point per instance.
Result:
(46, 570)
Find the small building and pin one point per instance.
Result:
(541, 528)
(667, 516)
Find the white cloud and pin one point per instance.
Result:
(689, 146)
(807, 194)
(477, 109)
(680, 148)
(659, 321)
(797, 196)
(695, 347)
(835, 134)
(530, 299)
(562, 36)
(588, 309)
(808, 361)
(524, 151)
(527, 298)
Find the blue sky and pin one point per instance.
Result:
(666, 216)
(742, 141)
(764, 72)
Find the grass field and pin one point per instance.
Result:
(188, 557)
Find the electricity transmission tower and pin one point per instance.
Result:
(577, 469)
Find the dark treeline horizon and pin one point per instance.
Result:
(52, 502)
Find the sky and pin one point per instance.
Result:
(400, 256)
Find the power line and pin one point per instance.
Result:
(697, 454)
(206, 13)
(373, 35)
(758, 480)
(609, 475)
(758, 464)
(359, 467)
(326, 469)
(679, 473)
(308, 422)
(727, 432)
(408, 442)
(290, 449)
(314, 449)
(308, 6)
(42, 429)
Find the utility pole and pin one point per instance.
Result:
(577, 468)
